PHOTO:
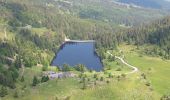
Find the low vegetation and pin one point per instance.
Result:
(109, 84)
(31, 31)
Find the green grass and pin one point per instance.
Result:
(157, 70)
(115, 67)
(132, 87)
(42, 31)
(70, 87)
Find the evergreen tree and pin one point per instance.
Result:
(44, 79)
(80, 67)
(65, 67)
(3, 91)
(22, 79)
(35, 81)
(16, 94)
(84, 83)
(18, 62)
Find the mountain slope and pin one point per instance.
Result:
(156, 33)
(157, 4)
(32, 30)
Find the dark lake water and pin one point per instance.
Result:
(73, 53)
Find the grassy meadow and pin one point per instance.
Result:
(156, 69)
(129, 87)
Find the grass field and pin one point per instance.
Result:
(71, 88)
(131, 87)
(156, 69)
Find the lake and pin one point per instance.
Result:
(74, 53)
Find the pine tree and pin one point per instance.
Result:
(35, 81)
(65, 68)
(22, 79)
(16, 94)
(84, 83)
(3, 91)
(80, 67)
(18, 62)
(44, 79)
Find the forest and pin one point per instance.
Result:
(16, 17)
(31, 31)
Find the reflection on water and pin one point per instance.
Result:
(74, 53)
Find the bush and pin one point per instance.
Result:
(101, 79)
(165, 97)
(118, 78)
(44, 79)
(107, 81)
(80, 75)
(84, 83)
(119, 69)
(44, 68)
(110, 75)
(23, 87)
(143, 75)
(123, 75)
(148, 84)
(57, 69)
(88, 79)
(22, 79)
(95, 75)
(16, 94)
(90, 70)
(111, 58)
(66, 68)
(97, 78)
(80, 67)
(35, 81)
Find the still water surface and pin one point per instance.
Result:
(73, 53)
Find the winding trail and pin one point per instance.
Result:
(135, 69)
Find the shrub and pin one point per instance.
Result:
(95, 75)
(35, 81)
(119, 69)
(123, 75)
(22, 79)
(110, 75)
(44, 68)
(147, 83)
(88, 79)
(107, 81)
(66, 68)
(101, 79)
(165, 97)
(16, 94)
(80, 67)
(44, 79)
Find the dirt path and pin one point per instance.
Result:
(135, 69)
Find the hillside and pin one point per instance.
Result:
(156, 33)
(156, 4)
(35, 22)
(32, 31)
